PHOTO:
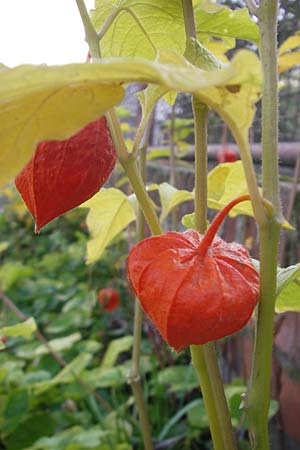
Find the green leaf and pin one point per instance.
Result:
(17, 404)
(13, 272)
(198, 55)
(112, 377)
(197, 416)
(3, 246)
(67, 375)
(115, 348)
(16, 407)
(222, 22)
(28, 432)
(288, 289)
(178, 378)
(171, 197)
(38, 103)
(140, 27)
(74, 438)
(23, 329)
(110, 212)
(188, 221)
(59, 344)
(182, 412)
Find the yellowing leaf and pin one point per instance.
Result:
(226, 182)
(110, 212)
(24, 329)
(42, 103)
(236, 102)
(288, 60)
(140, 28)
(171, 197)
(289, 53)
(291, 43)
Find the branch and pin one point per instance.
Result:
(253, 7)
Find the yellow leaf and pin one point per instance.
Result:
(290, 43)
(42, 103)
(226, 182)
(110, 212)
(24, 329)
(288, 60)
(289, 53)
(171, 197)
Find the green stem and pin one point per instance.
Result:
(172, 160)
(130, 166)
(259, 394)
(201, 117)
(93, 41)
(138, 186)
(205, 362)
(91, 36)
(135, 377)
(204, 356)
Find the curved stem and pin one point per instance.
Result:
(216, 223)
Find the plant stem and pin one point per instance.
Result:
(91, 36)
(259, 394)
(135, 377)
(137, 184)
(93, 41)
(131, 169)
(204, 356)
(201, 117)
(205, 362)
(189, 19)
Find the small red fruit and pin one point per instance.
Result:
(109, 299)
(63, 174)
(226, 155)
(195, 288)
